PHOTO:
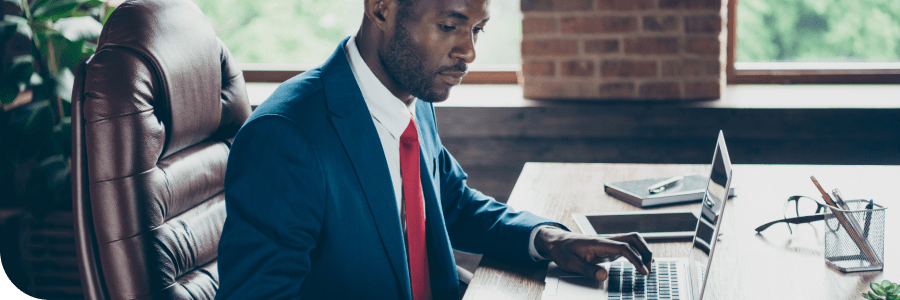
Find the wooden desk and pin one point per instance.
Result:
(773, 265)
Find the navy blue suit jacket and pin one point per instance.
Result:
(311, 208)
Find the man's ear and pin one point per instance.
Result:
(382, 13)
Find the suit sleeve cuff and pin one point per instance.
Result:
(532, 250)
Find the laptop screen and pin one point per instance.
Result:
(711, 216)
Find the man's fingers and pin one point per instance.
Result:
(637, 242)
(590, 270)
(632, 256)
(603, 259)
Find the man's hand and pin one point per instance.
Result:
(581, 253)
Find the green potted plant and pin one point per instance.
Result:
(885, 290)
(43, 40)
(40, 42)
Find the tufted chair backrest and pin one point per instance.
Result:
(154, 111)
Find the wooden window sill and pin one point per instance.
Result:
(744, 96)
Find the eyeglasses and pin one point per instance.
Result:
(812, 210)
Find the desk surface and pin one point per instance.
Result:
(773, 265)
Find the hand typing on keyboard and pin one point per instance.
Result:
(581, 253)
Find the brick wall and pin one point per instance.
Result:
(623, 49)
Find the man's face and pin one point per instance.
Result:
(432, 44)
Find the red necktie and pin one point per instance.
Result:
(414, 203)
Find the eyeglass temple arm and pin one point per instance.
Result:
(797, 220)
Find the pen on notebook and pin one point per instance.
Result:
(661, 186)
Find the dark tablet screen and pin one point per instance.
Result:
(643, 223)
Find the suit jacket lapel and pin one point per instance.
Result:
(443, 276)
(357, 133)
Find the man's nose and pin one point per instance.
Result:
(465, 49)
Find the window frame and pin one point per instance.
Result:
(488, 74)
(506, 75)
(734, 76)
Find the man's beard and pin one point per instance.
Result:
(407, 67)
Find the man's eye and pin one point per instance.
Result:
(446, 28)
(478, 30)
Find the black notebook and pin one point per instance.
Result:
(689, 189)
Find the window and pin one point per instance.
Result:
(276, 39)
(814, 41)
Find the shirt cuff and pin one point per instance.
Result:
(532, 250)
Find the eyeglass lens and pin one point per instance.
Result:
(799, 206)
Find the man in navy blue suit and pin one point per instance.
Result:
(338, 187)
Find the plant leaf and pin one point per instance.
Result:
(92, 3)
(48, 184)
(53, 10)
(79, 28)
(64, 82)
(22, 25)
(61, 138)
(67, 53)
(893, 289)
(38, 3)
(28, 128)
(8, 92)
(7, 31)
(21, 69)
(109, 12)
(16, 77)
(891, 297)
(871, 296)
(877, 289)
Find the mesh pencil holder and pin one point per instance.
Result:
(841, 250)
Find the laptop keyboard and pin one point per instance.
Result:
(625, 283)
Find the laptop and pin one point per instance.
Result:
(670, 278)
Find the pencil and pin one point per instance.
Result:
(854, 233)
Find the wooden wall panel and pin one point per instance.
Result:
(493, 143)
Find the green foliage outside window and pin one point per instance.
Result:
(818, 30)
(307, 31)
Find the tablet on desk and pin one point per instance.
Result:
(667, 224)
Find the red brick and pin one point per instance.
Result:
(628, 68)
(545, 89)
(549, 47)
(703, 4)
(546, 68)
(691, 4)
(538, 25)
(617, 90)
(537, 5)
(703, 45)
(671, 4)
(578, 68)
(567, 5)
(597, 24)
(601, 46)
(703, 90)
(712, 23)
(660, 90)
(691, 68)
(660, 23)
(651, 46)
(624, 4)
(556, 5)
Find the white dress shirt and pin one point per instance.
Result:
(391, 117)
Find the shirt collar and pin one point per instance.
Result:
(386, 108)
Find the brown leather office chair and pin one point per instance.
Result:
(154, 111)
